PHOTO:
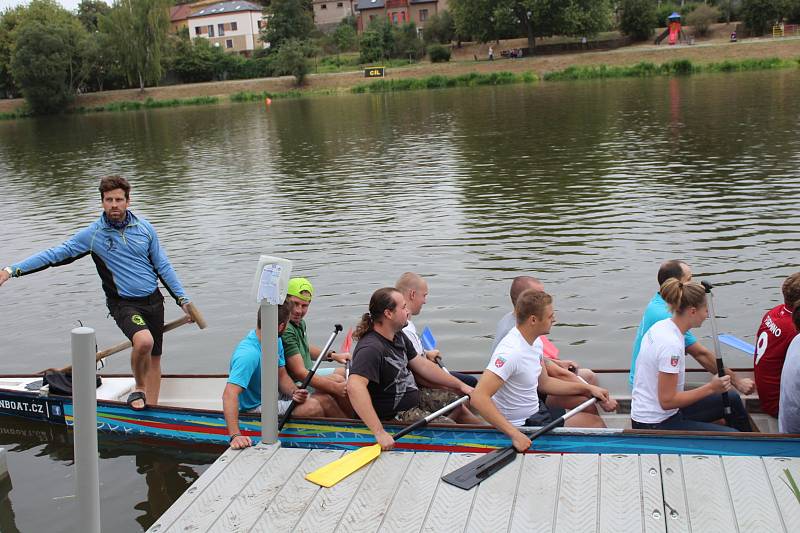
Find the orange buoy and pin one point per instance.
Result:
(267, 100)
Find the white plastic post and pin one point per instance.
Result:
(269, 288)
(84, 400)
(269, 373)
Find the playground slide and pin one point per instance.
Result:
(674, 33)
(661, 37)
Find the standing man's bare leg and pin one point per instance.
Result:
(153, 380)
(140, 361)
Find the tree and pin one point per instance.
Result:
(103, 70)
(9, 21)
(760, 15)
(89, 13)
(701, 18)
(288, 19)
(638, 19)
(345, 36)
(440, 28)
(47, 64)
(487, 20)
(292, 58)
(407, 43)
(138, 31)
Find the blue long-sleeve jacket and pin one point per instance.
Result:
(130, 261)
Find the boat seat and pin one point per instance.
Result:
(116, 389)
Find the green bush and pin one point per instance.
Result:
(701, 19)
(438, 53)
(638, 19)
(292, 58)
(665, 10)
(441, 82)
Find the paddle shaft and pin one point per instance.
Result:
(433, 416)
(169, 326)
(726, 401)
(336, 329)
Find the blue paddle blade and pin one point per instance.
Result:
(736, 342)
(428, 341)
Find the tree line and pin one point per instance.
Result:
(49, 54)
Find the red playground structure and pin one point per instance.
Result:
(673, 30)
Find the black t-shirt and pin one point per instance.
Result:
(385, 364)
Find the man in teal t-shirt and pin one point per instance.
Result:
(243, 389)
(658, 310)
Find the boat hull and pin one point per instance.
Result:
(208, 426)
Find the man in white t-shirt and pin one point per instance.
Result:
(506, 395)
(415, 290)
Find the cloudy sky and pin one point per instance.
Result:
(69, 4)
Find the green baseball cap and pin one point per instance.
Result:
(297, 286)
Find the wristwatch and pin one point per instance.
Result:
(10, 272)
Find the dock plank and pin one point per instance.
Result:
(707, 494)
(326, 509)
(255, 496)
(675, 511)
(410, 505)
(786, 500)
(375, 495)
(181, 504)
(290, 502)
(534, 509)
(751, 493)
(211, 502)
(491, 508)
(577, 494)
(619, 482)
(653, 515)
(450, 507)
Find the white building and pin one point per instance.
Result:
(235, 26)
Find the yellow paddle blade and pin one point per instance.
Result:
(332, 473)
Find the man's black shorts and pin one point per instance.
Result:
(136, 314)
(545, 416)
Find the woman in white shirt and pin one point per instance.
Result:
(659, 401)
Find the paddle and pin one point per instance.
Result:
(726, 401)
(332, 473)
(429, 343)
(169, 326)
(473, 473)
(736, 342)
(336, 329)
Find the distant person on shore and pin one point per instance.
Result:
(557, 368)
(243, 390)
(659, 400)
(383, 375)
(507, 395)
(658, 310)
(776, 332)
(415, 291)
(130, 261)
(491, 54)
(300, 355)
(789, 415)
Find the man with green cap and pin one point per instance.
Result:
(300, 355)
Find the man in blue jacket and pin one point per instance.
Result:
(130, 262)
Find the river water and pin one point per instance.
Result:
(588, 186)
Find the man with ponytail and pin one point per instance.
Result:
(382, 383)
(659, 400)
(658, 310)
(776, 331)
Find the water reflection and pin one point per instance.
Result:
(152, 473)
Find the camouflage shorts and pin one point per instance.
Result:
(430, 401)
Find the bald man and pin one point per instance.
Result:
(415, 290)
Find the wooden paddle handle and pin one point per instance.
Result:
(169, 326)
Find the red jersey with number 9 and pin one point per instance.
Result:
(774, 335)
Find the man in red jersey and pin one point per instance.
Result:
(774, 335)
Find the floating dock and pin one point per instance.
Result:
(263, 489)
